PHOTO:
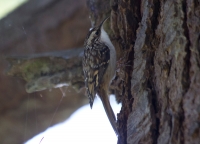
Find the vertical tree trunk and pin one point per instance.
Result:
(160, 90)
(158, 75)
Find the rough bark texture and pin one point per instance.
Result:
(158, 75)
(164, 38)
(160, 104)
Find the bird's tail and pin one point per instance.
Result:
(110, 114)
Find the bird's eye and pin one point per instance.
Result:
(97, 33)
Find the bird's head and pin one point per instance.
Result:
(94, 34)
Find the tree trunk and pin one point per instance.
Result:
(161, 102)
(158, 75)
(158, 83)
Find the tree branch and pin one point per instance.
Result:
(49, 70)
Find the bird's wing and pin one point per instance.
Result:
(95, 63)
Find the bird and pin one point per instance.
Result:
(99, 65)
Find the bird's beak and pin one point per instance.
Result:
(103, 22)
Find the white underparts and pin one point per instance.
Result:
(112, 64)
(105, 39)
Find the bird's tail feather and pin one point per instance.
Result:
(110, 114)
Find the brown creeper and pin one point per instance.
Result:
(99, 63)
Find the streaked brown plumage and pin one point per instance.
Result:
(99, 63)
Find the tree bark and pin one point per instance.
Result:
(160, 103)
(159, 93)
(158, 75)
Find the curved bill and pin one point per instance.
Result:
(103, 21)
